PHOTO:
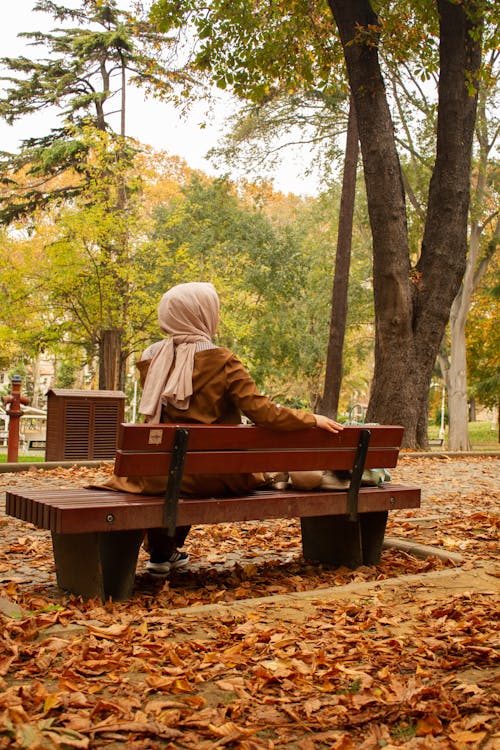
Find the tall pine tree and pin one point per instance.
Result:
(86, 63)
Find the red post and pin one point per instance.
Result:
(13, 407)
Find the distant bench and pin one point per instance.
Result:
(96, 534)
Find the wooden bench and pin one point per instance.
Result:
(436, 442)
(97, 534)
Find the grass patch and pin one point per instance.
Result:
(480, 435)
(403, 730)
(22, 459)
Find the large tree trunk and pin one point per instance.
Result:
(110, 360)
(457, 366)
(411, 308)
(333, 374)
(393, 387)
(444, 247)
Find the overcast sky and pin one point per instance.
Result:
(150, 121)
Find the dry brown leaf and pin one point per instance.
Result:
(135, 727)
(112, 631)
(428, 725)
(466, 737)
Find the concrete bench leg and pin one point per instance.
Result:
(372, 533)
(97, 564)
(337, 541)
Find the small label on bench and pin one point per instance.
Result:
(155, 437)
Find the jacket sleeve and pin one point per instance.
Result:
(259, 408)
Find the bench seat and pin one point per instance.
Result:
(82, 510)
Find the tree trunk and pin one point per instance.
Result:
(123, 98)
(392, 398)
(333, 374)
(472, 409)
(35, 399)
(458, 412)
(110, 360)
(475, 270)
(411, 308)
(443, 256)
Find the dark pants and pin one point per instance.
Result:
(160, 546)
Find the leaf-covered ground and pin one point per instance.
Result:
(253, 648)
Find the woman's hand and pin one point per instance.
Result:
(325, 423)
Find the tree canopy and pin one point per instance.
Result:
(83, 69)
(255, 48)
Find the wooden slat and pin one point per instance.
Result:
(33, 506)
(136, 437)
(69, 510)
(294, 504)
(84, 510)
(25, 508)
(237, 462)
(20, 508)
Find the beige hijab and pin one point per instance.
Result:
(188, 314)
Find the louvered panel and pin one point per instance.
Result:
(77, 430)
(106, 419)
(83, 425)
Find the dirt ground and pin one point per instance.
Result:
(253, 648)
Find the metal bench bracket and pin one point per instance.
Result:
(357, 472)
(174, 480)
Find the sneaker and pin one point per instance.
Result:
(178, 559)
(161, 570)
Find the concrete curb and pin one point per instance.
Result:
(12, 468)
(456, 579)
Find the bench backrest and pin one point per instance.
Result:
(147, 449)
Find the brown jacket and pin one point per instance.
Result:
(222, 391)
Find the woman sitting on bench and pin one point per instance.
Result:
(186, 378)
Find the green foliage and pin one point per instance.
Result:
(209, 233)
(483, 338)
(75, 271)
(84, 59)
(437, 417)
(66, 374)
(92, 266)
(284, 61)
(404, 730)
(253, 47)
(83, 68)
